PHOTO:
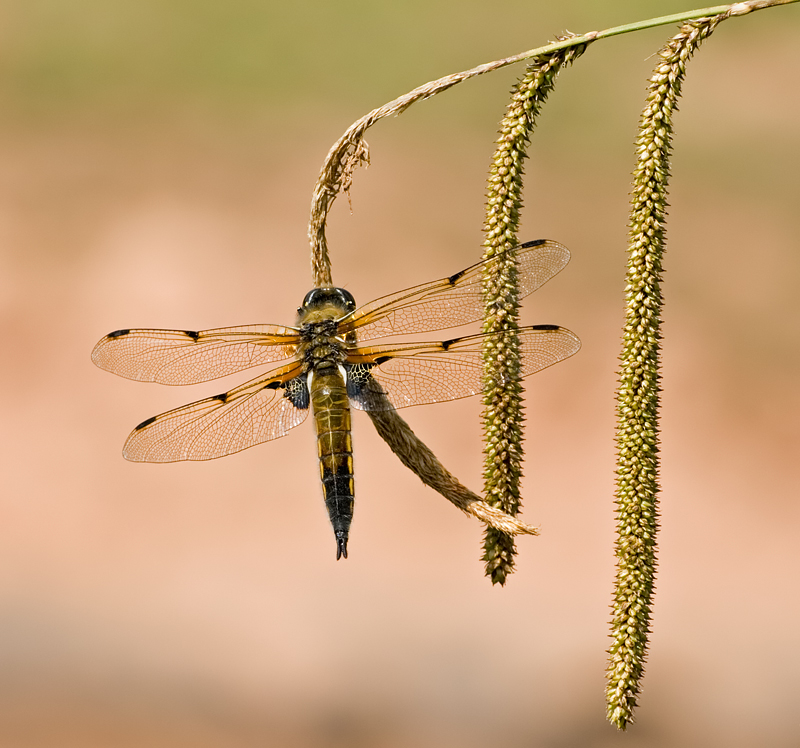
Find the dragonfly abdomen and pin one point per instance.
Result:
(335, 448)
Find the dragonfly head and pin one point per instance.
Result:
(337, 301)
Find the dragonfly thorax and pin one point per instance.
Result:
(322, 348)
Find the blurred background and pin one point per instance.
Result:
(156, 166)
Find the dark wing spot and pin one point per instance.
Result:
(361, 371)
(145, 423)
(191, 334)
(296, 391)
(274, 385)
(447, 343)
(534, 243)
(223, 398)
(545, 327)
(358, 377)
(117, 333)
(382, 360)
(453, 279)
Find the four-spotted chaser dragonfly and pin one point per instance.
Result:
(329, 369)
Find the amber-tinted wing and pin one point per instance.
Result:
(450, 302)
(262, 409)
(188, 357)
(424, 373)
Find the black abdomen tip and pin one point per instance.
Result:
(341, 546)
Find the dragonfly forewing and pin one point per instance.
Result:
(189, 357)
(455, 300)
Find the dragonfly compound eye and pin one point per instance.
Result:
(346, 299)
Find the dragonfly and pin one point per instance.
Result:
(326, 369)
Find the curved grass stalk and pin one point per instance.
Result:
(351, 150)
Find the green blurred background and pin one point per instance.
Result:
(156, 167)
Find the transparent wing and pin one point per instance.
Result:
(450, 302)
(425, 373)
(254, 412)
(188, 357)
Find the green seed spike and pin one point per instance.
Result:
(638, 393)
(503, 414)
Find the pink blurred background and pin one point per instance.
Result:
(156, 167)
